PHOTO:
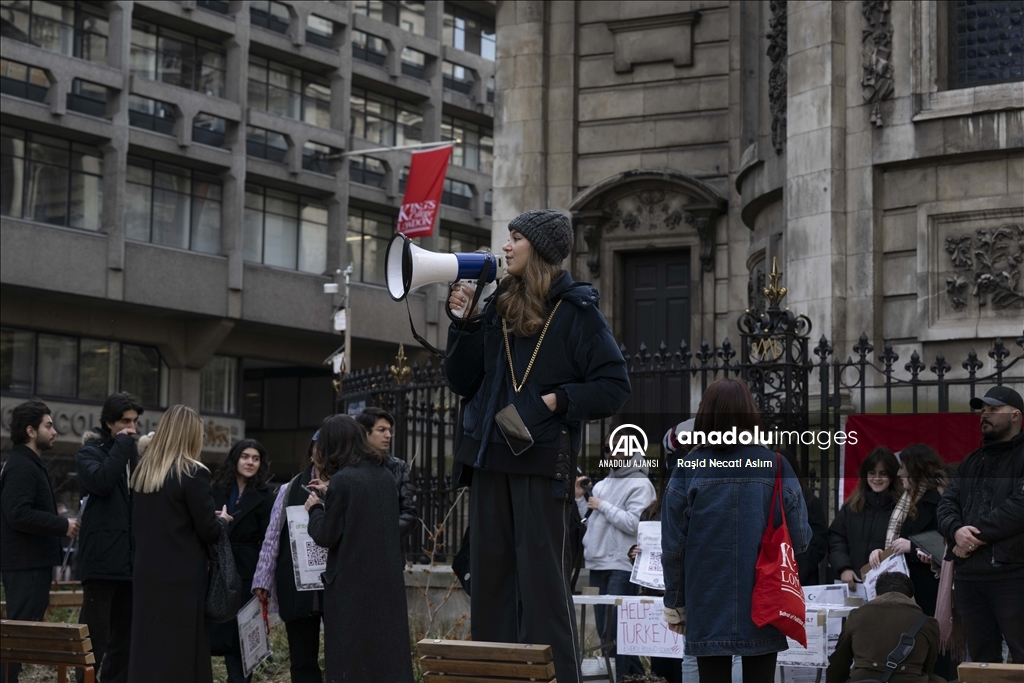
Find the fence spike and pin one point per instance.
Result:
(863, 347)
(823, 350)
(972, 364)
(940, 367)
(998, 352)
(704, 354)
(914, 366)
(888, 357)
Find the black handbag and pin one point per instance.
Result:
(902, 651)
(224, 596)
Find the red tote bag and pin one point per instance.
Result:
(778, 599)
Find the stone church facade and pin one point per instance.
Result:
(873, 149)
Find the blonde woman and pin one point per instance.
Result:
(174, 520)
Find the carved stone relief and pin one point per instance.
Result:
(777, 78)
(876, 49)
(986, 268)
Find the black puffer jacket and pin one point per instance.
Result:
(106, 546)
(407, 516)
(1003, 525)
(853, 535)
(579, 362)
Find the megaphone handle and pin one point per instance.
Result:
(485, 273)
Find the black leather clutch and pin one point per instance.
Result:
(513, 429)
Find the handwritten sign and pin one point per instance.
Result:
(643, 630)
(647, 567)
(893, 563)
(308, 559)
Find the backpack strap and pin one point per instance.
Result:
(903, 650)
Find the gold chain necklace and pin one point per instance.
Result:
(508, 350)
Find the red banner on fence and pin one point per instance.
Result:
(423, 192)
(952, 435)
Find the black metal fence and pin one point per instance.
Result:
(792, 389)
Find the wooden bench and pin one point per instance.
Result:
(60, 645)
(974, 672)
(464, 661)
(62, 599)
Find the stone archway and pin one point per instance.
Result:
(641, 210)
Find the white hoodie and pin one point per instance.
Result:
(612, 528)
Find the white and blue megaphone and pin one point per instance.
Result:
(408, 267)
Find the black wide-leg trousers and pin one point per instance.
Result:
(520, 566)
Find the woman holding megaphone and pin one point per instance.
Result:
(538, 362)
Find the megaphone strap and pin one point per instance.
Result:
(508, 349)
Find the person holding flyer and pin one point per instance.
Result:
(245, 501)
(274, 580)
(356, 518)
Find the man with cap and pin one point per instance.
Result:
(538, 363)
(981, 515)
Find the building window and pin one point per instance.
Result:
(414, 63)
(289, 92)
(159, 54)
(269, 15)
(384, 120)
(457, 78)
(476, 151)
(265, 144)
(87, 98)
(369, 48)
(367, 241)
(285, 230)
(75, 29)
(986, 41)
(451, 240)
(459, 195)
(317, 157)
(50, 180)
(219, 6)
(208, 129)
(24, 81)
(488, 201)
(407, 14)
(366, 171)
(151, 114)
(81, 368)
(320, 31)
(172, 206)
(218, 386)
(469, 31)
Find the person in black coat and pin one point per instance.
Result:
(104, 557)
(543, 347)
(817, 549)
(357, 521)
(245, 501)
(174, 524)
(30, 528)
(380, 427)
(274, 581)
(859, 526)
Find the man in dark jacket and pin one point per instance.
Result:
(104, 563)
(981, 515)
(30, 528)
(874, 630)
(380, 427)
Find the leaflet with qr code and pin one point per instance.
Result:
(647, 569)
(252, 635)
(308, 559)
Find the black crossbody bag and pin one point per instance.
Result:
(902, 651)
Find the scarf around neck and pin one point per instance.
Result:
(899, 514)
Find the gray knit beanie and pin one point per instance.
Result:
(548, 231)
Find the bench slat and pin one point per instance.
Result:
(39, 629)
(477, 668)
(477, 650)
(52, 657)
(65, 599)
(430, 678)
(974, 672)
(47, 644)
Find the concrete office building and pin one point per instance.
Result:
(874, 148)
(174, 198)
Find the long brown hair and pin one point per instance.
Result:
(924, 468)
(879, 456)
(176, 448)
(342, 442)
(524, 304)
(726, 403)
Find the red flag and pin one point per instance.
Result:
(423, 192)
(952, 435)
